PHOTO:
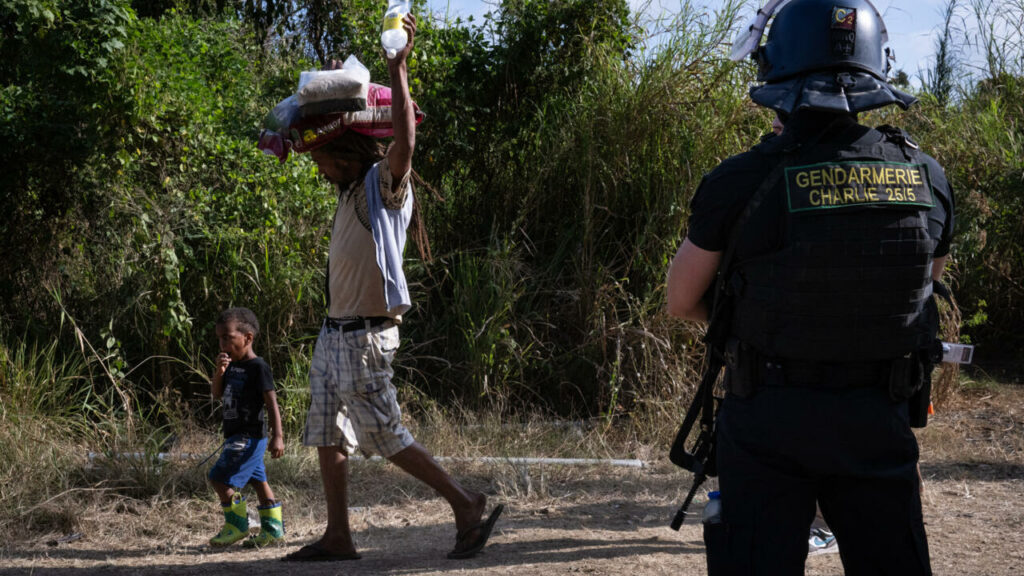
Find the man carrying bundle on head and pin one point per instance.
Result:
(353, 401)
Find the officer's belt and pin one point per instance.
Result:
(831, 375)
(749, 369)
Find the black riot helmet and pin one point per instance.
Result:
(824, 55)
(819, 35)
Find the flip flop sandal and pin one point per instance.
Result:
(465, 550)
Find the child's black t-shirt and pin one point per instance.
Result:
(244, 384)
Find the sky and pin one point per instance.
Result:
(913, 24)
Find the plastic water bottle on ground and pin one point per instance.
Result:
(713, 509)
(392, 36)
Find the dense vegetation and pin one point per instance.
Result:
(561, 147)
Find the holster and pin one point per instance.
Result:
(919, 401)
(905, 376)
(743, 370)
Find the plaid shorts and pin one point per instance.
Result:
(353, 401)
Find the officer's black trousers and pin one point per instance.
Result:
(782, 449)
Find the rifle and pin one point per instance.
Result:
(701, 458)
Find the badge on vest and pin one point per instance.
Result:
(857, 184)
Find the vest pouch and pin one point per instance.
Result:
(905, 377)
(742, 368)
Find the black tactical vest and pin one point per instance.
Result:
(854, 271)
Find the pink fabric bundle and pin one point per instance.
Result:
(288, 130)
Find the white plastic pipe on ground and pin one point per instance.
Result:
(515, 460)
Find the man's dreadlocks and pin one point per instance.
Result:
(369, 151)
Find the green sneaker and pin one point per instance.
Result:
(236, 524)
(271, 528)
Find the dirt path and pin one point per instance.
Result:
(587, 523)
(558, 519)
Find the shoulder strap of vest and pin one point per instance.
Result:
(897, 136)
(902, 139)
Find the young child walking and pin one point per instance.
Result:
(244, 383)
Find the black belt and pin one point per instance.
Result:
(832, 375)
(353, 323)
(749, 369)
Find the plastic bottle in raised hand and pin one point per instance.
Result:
(392, 36)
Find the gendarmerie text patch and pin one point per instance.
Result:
(857, 184)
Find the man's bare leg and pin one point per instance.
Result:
(337, 538)
(468, 506)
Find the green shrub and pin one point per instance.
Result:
(563, 147)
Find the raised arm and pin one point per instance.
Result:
(217, 381)
(402, 118)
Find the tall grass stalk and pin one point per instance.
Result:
(999, 37)
(940, 80)
(591, 196)
(36, 382)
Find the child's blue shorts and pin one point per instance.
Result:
(240, 462)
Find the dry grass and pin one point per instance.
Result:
(981, 430)
(596, 520)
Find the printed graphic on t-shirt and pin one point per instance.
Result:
(242, 402)
(856, 184)
(234, 382)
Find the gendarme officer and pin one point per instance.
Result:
(827, 239)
